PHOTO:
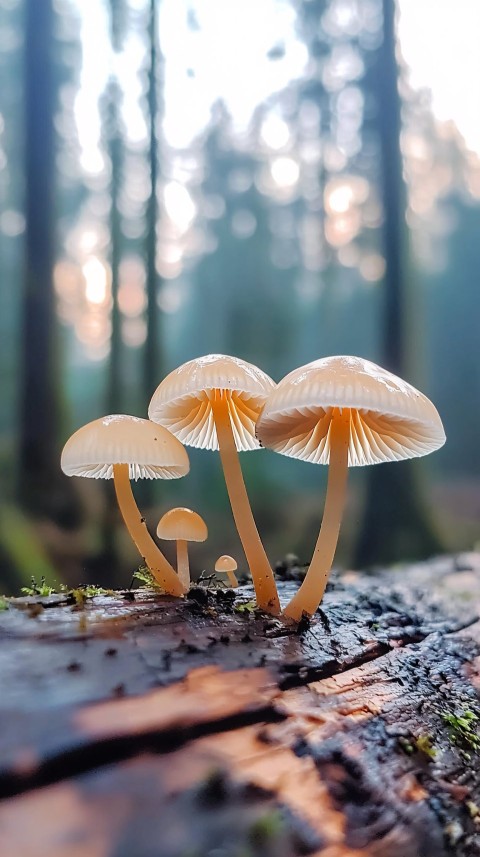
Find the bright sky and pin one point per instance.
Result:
(439, 40)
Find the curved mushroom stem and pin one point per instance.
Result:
(313, 587)
(262, 574)
(161, 569)
(183, 567)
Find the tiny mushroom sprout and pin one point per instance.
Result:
(183, 526)
(344, 412)
(228, 565)
(125, 447)
(213, 402)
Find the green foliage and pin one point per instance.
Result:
(22, 545)
(463, 728)
(247, 607)
(420, 744)
(266, 828)
(424, 744)
(80, 593)
(85, 591)
(3, 603)
(146, 578)
(90, 591)
(41, 588)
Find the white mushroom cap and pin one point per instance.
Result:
(182, 402)
(390, 419)
(150, 451)
(226, 563)
(182, 524)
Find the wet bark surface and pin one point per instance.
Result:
(156, 726)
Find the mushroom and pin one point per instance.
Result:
(125, 447)
(213, 402)
(344, 411)
(229, 565)
(183, 526)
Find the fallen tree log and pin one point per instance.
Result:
(133, 725)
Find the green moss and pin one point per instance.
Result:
(463, 728)
(266, 828)
(424, 744)
(146, 578)
(247, 607)
(420, 744)
(3, 603)
(85, 591)
(91, 591)
(80, 598)
(41, 588)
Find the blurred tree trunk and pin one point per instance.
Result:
(151, 372)
(41, 487)
(106, 561)
(152, 355)
(397, 523)
(114, 146)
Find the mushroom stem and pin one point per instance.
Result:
(262, 574)
(313, 587)
(232, 579)
(161, 569)
(183, 567)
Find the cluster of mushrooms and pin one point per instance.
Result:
(340, 411)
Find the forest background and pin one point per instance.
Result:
(279, 181)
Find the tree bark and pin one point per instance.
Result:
(183, 726)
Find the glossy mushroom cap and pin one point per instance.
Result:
(390, 419)
(150, 451)
(182, 402)
(226, 563)
(182, 524)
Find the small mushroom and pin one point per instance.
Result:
(183, 526)
(213, 402)
(125, 447)
(344, 411)
(229, 565)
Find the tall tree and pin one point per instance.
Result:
(115, 151)
(396, 524)
(152, 354)
(40, 404)
(114, 146)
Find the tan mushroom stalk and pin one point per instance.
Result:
(125, 448)
(213, 402)
(228, 565)
(183, 526)
(345, 412)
